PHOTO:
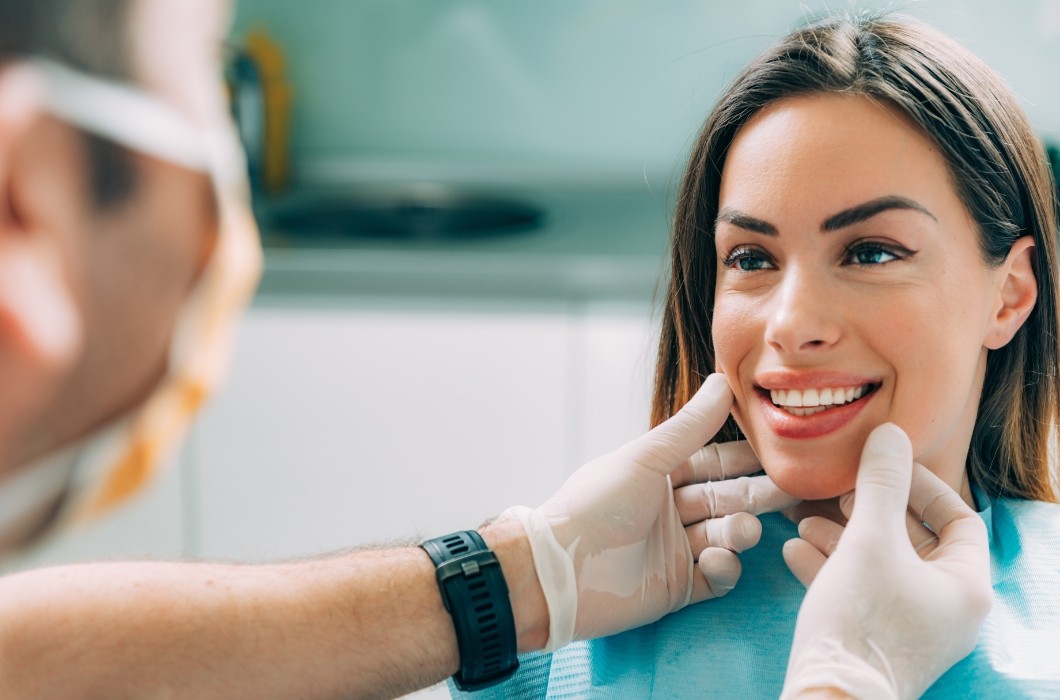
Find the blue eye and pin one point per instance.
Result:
(871, 255)
(748, 260)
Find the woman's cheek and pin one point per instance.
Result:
(728, 340)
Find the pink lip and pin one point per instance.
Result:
(787, 425)
(786, 379)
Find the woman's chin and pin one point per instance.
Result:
(811, 481)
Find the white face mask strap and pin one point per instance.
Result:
(122, 114)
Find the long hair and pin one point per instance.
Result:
(1000, 172)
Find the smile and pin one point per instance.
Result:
(807, 402)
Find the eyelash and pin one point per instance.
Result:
(742, 253)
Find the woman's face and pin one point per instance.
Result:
(850, 292)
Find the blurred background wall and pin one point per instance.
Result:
(605, 88)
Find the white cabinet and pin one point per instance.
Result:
(346, 423)
(353, 421)
(616, 350)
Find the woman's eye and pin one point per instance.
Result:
(748, 260)
(871, 255)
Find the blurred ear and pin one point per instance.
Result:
(1016, 296)
(39, 324)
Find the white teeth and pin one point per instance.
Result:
(809, 399)
(807, 411)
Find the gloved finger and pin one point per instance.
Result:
(803, 559)
(883, 481)
(924, 541)
(846, 503)
(822, 533)
(720, 570)
(717, 461)
(933, 501)
(700, 589)
(747, 494)
(737, 532)
(672, 442)
(961, 532)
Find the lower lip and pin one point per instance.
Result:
(788, 425)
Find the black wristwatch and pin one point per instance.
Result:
(476, 596)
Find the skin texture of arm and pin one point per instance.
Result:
(367, 624)
(372, 623)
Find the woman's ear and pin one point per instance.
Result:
(1016, 296)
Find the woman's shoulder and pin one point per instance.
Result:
(1024, 537)
(1015, 657)
(1025, 513)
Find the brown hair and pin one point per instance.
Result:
(89, 35)
(1000, 172)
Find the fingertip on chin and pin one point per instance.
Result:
(889, 439)
(716, 383)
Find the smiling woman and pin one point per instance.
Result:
(866, 233)
(859, 273)
(888, 146)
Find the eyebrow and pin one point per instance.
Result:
(845, 218)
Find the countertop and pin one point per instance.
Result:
(596, 241)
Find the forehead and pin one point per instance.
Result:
(830, 151)
(176, 46)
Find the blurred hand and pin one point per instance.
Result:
(611, 548)
(878, 619)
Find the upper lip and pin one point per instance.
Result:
(815, 379)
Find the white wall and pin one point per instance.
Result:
(611, 85)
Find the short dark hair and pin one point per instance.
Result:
(90, 35)
(999, 169)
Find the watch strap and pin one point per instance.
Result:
(476, 595)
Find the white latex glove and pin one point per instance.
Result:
(610, 548)
(878, 620)
(713, 484)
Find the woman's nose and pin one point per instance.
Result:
(803, 314)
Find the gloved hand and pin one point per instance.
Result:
(880, 621)
(712, 485)
(610, 548)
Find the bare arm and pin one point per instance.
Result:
(368, 624)
(372, 624)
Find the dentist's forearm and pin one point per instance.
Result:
(368, 624)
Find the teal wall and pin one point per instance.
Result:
(604, 86)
